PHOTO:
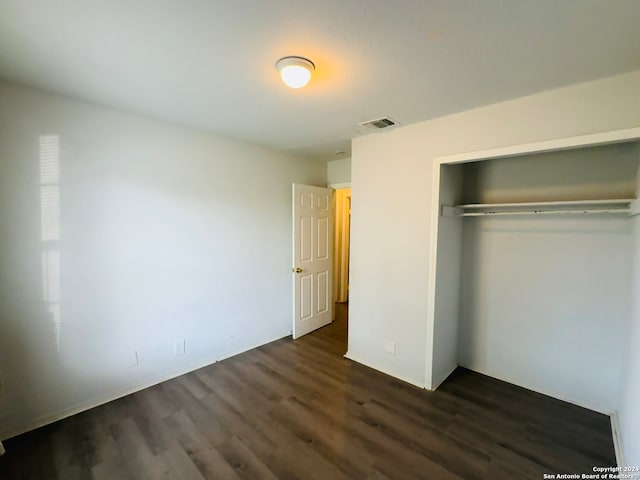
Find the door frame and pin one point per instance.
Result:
(339, 186)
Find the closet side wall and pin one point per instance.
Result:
(629, 410)
(447, 307)
(545, 299)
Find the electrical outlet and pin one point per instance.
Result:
(180, 347)
(133, 359)
(390, 347)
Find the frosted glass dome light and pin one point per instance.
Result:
(295, 71)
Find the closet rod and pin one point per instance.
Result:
(548, 212)
(563, 203)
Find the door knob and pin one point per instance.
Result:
(296, 270)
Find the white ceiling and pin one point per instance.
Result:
(210, 63)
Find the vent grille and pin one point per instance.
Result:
(378, 123)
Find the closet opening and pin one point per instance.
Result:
(531, 265)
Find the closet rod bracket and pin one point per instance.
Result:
(449, 211)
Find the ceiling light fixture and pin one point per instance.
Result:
(295, 71)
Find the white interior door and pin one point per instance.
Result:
(312, 258)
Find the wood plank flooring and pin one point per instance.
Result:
(291, 410)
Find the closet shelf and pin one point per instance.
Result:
(627, 206)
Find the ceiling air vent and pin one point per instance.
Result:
(378, 123)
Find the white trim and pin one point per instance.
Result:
(2, 450)
(338, 186)
(617, 439)
(96, 402)
(431, 280)
(384, 370)
(536, 388)
(594, 139)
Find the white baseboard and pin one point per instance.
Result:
(96, 402)
(384, 370)
(617, 439)
(536, 388)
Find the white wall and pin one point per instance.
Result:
(449, 268)
(339, 171)
(545, 304)
(629, 407)
(391, 180)
(166, 234)
(600, 172)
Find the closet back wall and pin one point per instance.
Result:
(545, 299)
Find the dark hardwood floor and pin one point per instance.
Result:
(300, 410)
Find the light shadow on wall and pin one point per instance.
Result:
(50, 228)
